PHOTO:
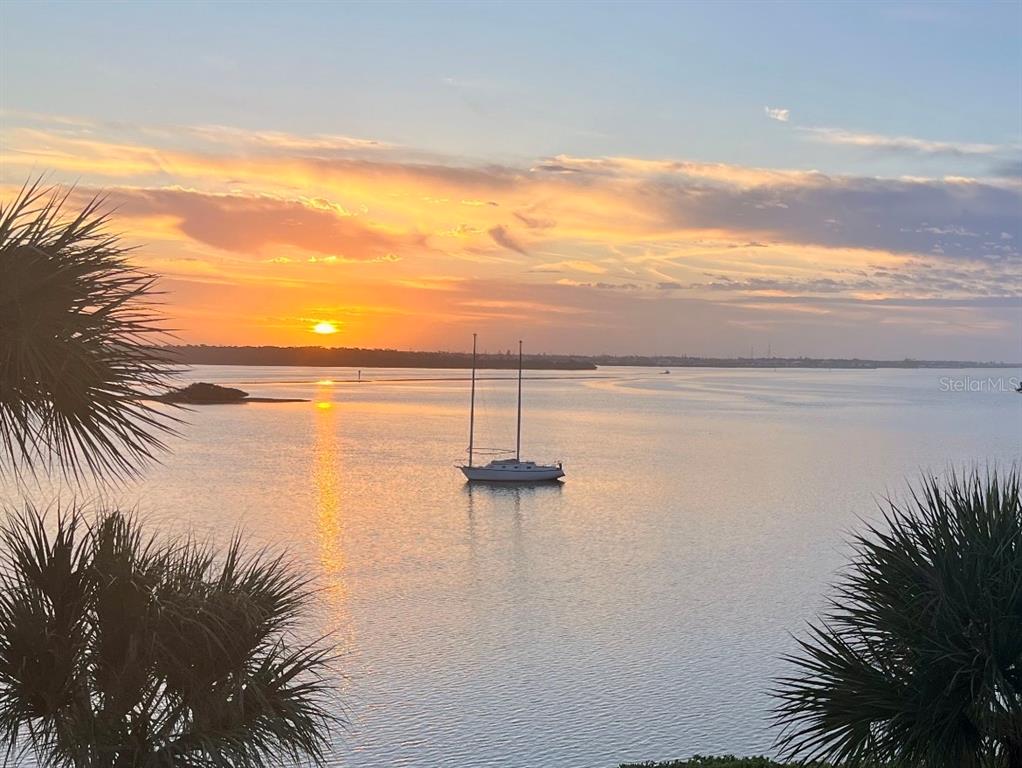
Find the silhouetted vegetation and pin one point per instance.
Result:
(351, 357)
(77, 328)
(730, 761)
(918, 661)
(368, 358)
(203, 393)
(710, 761)
(119, 650)
(686, 361)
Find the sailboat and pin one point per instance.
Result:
(516, 470)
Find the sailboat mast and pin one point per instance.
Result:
(472, 407)
(518, 443)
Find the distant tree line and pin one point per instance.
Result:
(351, 357)
(684, 361)
(356, 357)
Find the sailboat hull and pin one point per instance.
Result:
(513, 472)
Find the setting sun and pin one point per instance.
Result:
(324, 328)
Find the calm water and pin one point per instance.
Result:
(637, 611)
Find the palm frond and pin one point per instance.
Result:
(79, 329)
(118, 649)
(919, 659)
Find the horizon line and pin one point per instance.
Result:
(594, 356)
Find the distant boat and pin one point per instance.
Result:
(665, 371)
(514, 470)
(1018, 388)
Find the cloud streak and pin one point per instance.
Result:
(908, 144)
(252, 225)
(1006, 155)
(503, 237)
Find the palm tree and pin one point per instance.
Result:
(78, 334)
(918, 661)
(119, 650)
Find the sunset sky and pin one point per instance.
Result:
(826, 179)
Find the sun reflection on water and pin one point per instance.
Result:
(326, 471)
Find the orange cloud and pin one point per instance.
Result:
(248, 224)
(278, 224)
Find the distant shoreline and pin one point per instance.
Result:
(342, 357)
(349, 357)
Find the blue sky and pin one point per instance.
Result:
(527, 79)
(639, 172)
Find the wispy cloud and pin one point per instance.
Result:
(502, 236)
(908, 144)
(911, 145)
(277, 139)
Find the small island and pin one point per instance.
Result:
(204, 393)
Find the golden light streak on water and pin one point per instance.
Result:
(326, 479)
